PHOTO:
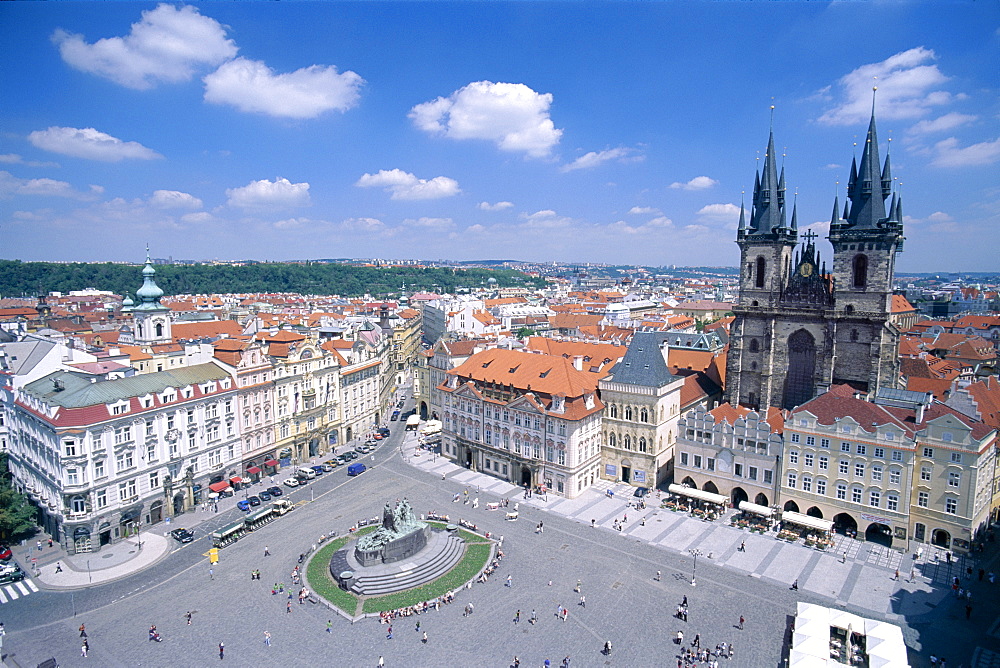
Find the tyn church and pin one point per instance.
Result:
(798, 327)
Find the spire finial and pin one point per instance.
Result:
(772, 115)
(147, 253)
(874, 89)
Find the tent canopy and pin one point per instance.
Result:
(807, 521)
(699, 494)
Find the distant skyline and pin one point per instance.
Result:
(619, 133)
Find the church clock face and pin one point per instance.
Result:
(805, 269)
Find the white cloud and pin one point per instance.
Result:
(90, 144)
(252, 86)
(720, 213)
(198, 218)
(512, 115)
(278, 194)
(292, 223)
(15, 159)
(941, 123)
(906, 82)
(697, 183)
(949, 154)
(499, 206)
(595, 158)
(11, 185)
(166, 45)
(641, 210)
(430, 223)
(363, 225)
(404, 185)
(174, 199)
(545, 219)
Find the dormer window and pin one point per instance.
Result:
(187, 392)
(120, 408)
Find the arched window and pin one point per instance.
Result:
(860, 273)
(614, 411)
(627, 442)
(754, 346)
(78, 504)
(854, 335)
(759, 274)
(642, 444)
(628, 412)
(644, 415)
(612, 441)
(159, 329)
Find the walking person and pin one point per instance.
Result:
(583, 601)
(743, 546)
(388, 635)
(517, 617)
(657, 576)
(424, 639)
(607, 648)
(329, 625)
(83, 631)
(267, 638)
(740, 627)
(267, 552)
(222, 650)
(187, 616)
(381, 662)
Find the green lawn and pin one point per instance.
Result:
(318, 574)
(467, 536)
(476, 556)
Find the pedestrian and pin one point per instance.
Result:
(50, 542)
(329, 625)
(187, 616)
(211, 573)
(657, 576)
(743, 546)
(795, 583)
(697, 641)
(267, 552)
(39, 545)
(593, 523)
(896, 576)
(424, 639)
(84, 648)
(222, 650)
(267, 638)
(577, 588)
(517, 617)
(381, 662)
(83, 631)
(58, 567)
(684, 601)
(288, 606)
(740, 627)
(508, 580)
(388, 635)
(534, 616)
(607, 648)
(680, 638)
(583, 601)
(843, 557)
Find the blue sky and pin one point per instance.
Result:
(600, 132)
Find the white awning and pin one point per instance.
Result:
(806, 521)
(748, 507)
(699, 494)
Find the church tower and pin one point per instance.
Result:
(799, 329)
(151, 318)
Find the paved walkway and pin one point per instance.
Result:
(852, 572)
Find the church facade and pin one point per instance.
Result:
(801, 327)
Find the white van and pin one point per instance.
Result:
(307, 472)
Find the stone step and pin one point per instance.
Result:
(431, 569)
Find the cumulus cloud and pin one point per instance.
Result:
(11, 185)
(545, 219)
(513, 116)
(404, 185)
(641, 210)
(166, 45)
(697, 183)
(252, 86)
(720, 213)
(941, 123)
(950, 154)
(363, 225)
(90, 144)
(278, 194)
(908, 87)
(595, 158)
(499, 206)
(198, 218)
(174, 199)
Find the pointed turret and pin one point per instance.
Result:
(886, 177)
(743, 218)
(866, 193)
(836, 206)
(795, 217)
(768, 214)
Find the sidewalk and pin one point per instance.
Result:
(111, 563)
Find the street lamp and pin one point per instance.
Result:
(695, 552)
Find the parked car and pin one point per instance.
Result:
(182, 535)
(351, 455)
(244, 505)
(357, 468)
(384, 431)
(400, 404)
(307, 472)
(274, 491)
(342, 458)
(641, 492)
(329, 465)
(12, 573)
(253, 500)
(318, 469)
(264, 496)
(5, 553)
(290, 482)
(395, 415)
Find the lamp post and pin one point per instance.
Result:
(695, 552)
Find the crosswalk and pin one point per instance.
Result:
(16, 590)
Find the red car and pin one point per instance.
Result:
(5, 553)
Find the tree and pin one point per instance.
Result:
(17, 516)
(525, 332)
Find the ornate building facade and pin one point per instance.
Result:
(800, 329)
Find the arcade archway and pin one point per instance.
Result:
(941, 538)
(792, 506)
(845, 524)
(737, 496)
(879, 533)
